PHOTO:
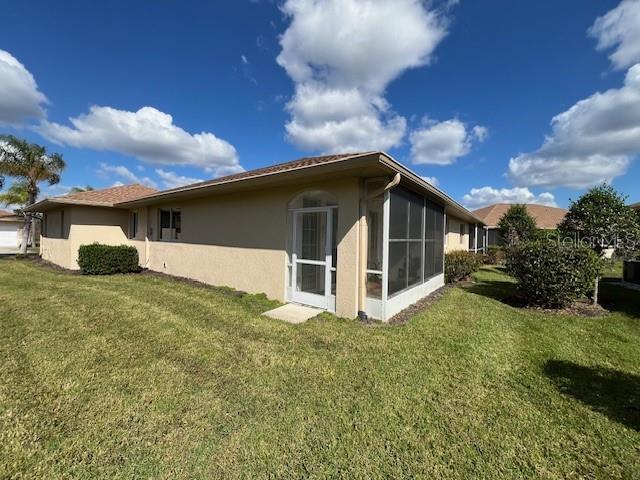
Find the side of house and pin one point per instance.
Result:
(352, 234)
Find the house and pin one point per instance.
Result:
(10, 229)
(547, 218)
(355, 234)
(635, 206)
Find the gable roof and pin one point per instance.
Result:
(635, 206)
(547, 218)
(106, 197)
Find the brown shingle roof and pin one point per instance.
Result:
(4, 213)
(545, 217)
(636, 206)
(111, 195)
(278, 168)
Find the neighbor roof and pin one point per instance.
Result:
(546, 218)
(6, 216)
(636, 206)
(107, 197)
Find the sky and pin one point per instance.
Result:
(496, 101)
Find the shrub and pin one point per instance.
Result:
(460, 264)
(495, 256)
(551, 275)
(97, 259)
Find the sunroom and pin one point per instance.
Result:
(405, 248)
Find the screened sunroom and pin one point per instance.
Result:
(405, 248)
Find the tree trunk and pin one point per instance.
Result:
(28, 219)
(26, 233)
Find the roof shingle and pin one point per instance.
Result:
(547, 218)
(111, 195)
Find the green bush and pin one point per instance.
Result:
(495, 256)
(97, 259)
(460, 264)
(552, 275)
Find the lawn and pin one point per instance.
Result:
(140, 376)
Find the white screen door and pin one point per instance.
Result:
(313, 271)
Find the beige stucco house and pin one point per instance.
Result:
(354, 234)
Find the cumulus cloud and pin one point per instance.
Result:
(20, 99)
(441, 143)
(592, 142)
(173, 180)
(341, 55)
(481, 197)
(148, 134)
(123, 173)
(620, 28)
(432, 180)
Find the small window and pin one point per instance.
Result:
(170, 224)
(462, 234)
(133, 226)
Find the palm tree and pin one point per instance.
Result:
(17, 194)
(31, 164)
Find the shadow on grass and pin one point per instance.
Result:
(616, 298)
(502, 291)
(610, 392)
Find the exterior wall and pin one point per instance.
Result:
(65, 232)
(237, 240)
(453, 240)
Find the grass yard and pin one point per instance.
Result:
(139, 376)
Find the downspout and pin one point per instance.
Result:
(363, 237)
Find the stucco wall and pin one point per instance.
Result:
(238, 240)
(454, 242)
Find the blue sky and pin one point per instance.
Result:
(454, 90)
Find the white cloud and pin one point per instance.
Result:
(148, 134)
(441, 143)
(341, 55)
(20, 98)
(592, 142)
(620, 29)
(173, 180)
(432, 180)
(122, 172)
(481, 197)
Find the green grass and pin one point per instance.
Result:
(145, 377)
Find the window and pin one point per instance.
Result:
(462, 234)
(375, 220)
(170, 224)
(313, 198)
(133, 225)
(433, 240)
(405, 240)
(472, 236)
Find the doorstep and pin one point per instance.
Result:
(293, 313)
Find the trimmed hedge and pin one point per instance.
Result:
(98, 259)
(552, 275)
(460, 264)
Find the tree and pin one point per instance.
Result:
(517, 225)
(31, 164)
(16, 195)
(87, 188)
(601, 219)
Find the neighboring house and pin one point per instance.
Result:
(354, 234)
(635, 206)
(547, 218)
(10, 229)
